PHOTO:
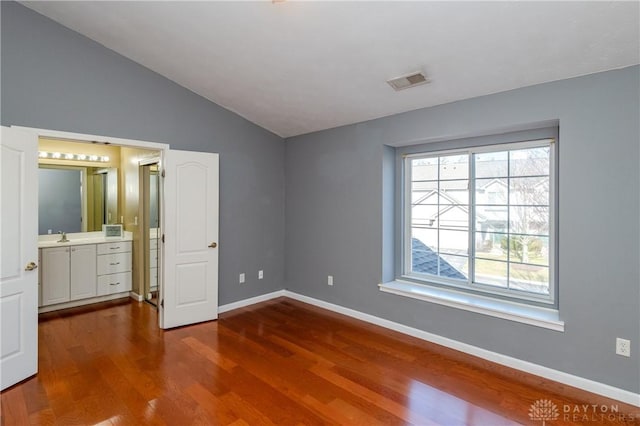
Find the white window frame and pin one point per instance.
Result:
(469, 285)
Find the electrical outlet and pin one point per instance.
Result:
(623, 347)
(330, 280)
(241, 278)
(260, 274)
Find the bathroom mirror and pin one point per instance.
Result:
(150, 191)
(76, 199)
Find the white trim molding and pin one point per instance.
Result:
(505, 309)
(251, 301)
(135, 296)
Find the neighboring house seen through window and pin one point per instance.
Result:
(482, 219)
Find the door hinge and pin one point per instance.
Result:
(163, 238)
(162, 172)
(162, 303)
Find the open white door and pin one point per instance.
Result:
(18, 256)
(189, 293)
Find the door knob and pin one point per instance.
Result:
(213, 245)
(30, 266)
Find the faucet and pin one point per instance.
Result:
(63, 237)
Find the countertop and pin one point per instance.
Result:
(80, 238)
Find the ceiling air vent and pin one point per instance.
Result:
(409, 80)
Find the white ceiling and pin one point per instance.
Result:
(298, 67)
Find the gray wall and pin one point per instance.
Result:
(338, 187)
(54, 78)
(59, 200)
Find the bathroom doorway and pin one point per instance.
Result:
(150, 197)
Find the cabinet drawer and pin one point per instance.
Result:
(114, 263)
(117, 247)
(114, 283)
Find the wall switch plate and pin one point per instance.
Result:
(330, 280)
(623, 347)
(241, 278)
(260, 274)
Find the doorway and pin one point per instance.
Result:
(150, 227)
(107, 189)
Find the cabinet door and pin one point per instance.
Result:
(55, 275)
(83, 272)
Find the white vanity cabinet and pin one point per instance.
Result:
(77, 273)
(114, 267)
(68, 273)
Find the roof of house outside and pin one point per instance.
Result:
(425, 260)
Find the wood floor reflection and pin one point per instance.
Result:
(280, 362)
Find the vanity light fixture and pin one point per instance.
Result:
(70, 156)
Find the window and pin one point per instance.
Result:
(482, 219)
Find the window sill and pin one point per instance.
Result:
(532, 315)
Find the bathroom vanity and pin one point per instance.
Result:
(88, 268)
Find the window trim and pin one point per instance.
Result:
(469, 286)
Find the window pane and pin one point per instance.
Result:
(529, 278)
(529, 220)
(425, 237)
(491, 164)
(492, 191)
(454, 242)
(454, 192)
(424, 216)
(529, 191)
(529, 162)
(455, 186)
(424, 257)
(456, 267)
(453, 217)
(490, 272)
(424, 168)
(528, 249)
(491, 246)
(422, 188)
(454, 167)
(492, 218)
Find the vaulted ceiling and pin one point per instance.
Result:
(297, 67)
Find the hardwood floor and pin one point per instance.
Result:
(280, 362)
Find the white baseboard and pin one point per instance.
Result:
(518, 364)
(135, 296)
(250, 301)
